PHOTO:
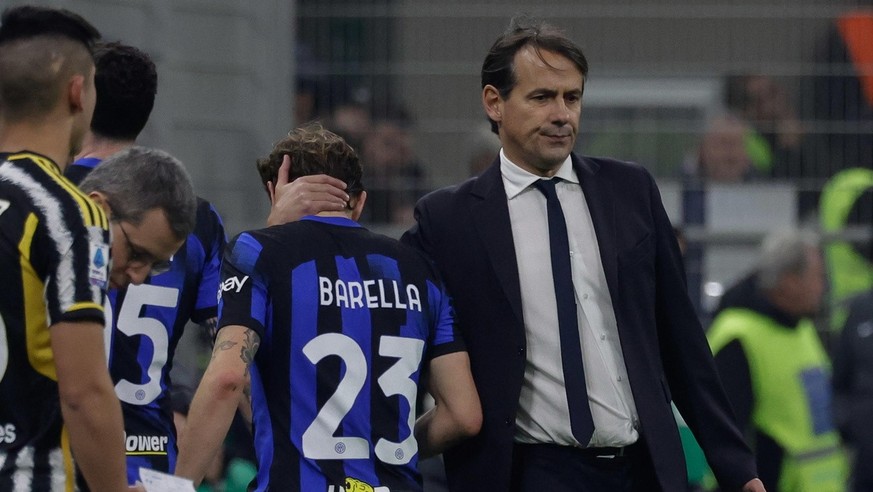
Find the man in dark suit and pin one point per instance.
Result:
(554, 259)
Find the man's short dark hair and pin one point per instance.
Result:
(30, 21)
(40, 48)
(498, 70)
(126, 81)
(314, 150)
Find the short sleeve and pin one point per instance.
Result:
(445, 338)
(242, 293)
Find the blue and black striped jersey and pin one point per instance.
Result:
(147, 322)
(54, 257)
(347, 319)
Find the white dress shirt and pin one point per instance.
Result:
(543, 415)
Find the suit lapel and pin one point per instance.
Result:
(601, 204)
(491, 216)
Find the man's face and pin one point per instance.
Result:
(138, 248)
(723, 152)
(539, 120)
(768, 100)
(807, 287)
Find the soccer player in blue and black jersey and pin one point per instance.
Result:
(147, 320)
(332, 327)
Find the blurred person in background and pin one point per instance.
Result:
(781, 145)
(853, 387)
(352, 121)
(776, 371)
(396, 175)
(482, 147)
(721, 156)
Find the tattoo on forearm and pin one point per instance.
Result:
(221, 346)
(249, 349)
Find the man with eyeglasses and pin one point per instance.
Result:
(151, 204)
(146, 321)
(153, 212)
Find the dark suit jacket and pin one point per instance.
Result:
(466, 230)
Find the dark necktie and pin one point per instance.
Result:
(571, 349)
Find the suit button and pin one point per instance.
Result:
(520, 350)
(508, 422)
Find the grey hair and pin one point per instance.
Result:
(140, 179)
(782, 252)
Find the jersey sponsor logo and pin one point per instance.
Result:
(234, 283)
(145, 445)
(370, 294)
(355, 485)
(8, 433)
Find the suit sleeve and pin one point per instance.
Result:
(690, 369)
(418, 236)
(733, 369)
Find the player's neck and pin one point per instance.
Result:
(47, 139)
(102, 147)
(345, 214)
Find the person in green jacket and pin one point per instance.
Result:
(776, 372)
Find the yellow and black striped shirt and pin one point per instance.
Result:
(54, 261)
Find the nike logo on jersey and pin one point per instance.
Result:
(370, 294)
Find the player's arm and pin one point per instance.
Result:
(89, 406)
(457, 413)
(216, 400)
(245, 403)
(306, 195)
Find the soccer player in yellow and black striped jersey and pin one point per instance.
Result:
(56, 396)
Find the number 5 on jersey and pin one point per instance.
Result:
(131, 323)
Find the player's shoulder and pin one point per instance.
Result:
(206, 210)
(54, 198)
(408, 256)
(208, 226)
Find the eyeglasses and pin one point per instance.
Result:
(144, 258)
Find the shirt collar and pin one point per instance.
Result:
(89, 162)
(516, 179)
(333, 220)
